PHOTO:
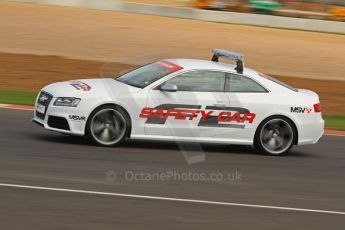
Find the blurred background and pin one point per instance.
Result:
(63, 40)
(319, 9)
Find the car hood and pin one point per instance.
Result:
(89, 88)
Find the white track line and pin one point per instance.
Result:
(170, 199)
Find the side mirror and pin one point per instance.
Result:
(168, 87)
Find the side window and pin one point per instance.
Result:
(243, 84)
(200, 81)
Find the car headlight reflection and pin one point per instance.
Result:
(67, 101)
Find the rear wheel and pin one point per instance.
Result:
(275, 136)
(107, 126)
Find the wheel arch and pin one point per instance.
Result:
(295, 128)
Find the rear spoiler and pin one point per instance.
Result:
(239, 58)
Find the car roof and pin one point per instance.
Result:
(194, 64)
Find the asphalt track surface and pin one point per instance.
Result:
(310, 177)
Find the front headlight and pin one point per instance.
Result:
(67, 101)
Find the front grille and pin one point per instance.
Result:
(43, 101)
(58, 123)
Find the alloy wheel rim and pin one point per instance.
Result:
(276, 136)
(108, 126)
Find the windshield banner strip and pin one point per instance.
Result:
(171, 67)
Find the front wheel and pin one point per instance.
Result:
(275, 136)
(107, 126)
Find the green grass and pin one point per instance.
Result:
(28, 98)
(335, 121)
(17, 97)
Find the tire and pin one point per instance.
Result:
(107, 126)
(275, 136)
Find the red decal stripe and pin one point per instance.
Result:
(20, 107)
(171, 67)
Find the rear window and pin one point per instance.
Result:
(242, 84)
(278, 82)
(146, 75)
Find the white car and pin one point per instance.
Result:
(185, 100)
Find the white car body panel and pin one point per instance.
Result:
(278, 101)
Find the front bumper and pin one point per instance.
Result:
(61, 119)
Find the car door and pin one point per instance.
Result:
(249, 99)
(197, 93)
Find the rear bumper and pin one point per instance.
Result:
(310, 133)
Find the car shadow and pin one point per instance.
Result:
(58, 138)
(160, 145)
(188, 146)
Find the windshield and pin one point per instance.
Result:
(148, 74)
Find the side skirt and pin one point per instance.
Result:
(193, 139)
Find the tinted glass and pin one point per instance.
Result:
(240, 83)
(200, 81)
(148, 74)
(282, 84)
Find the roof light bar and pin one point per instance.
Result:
(217, 53)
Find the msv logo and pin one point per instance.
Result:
(300, 110)
(77, 118)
